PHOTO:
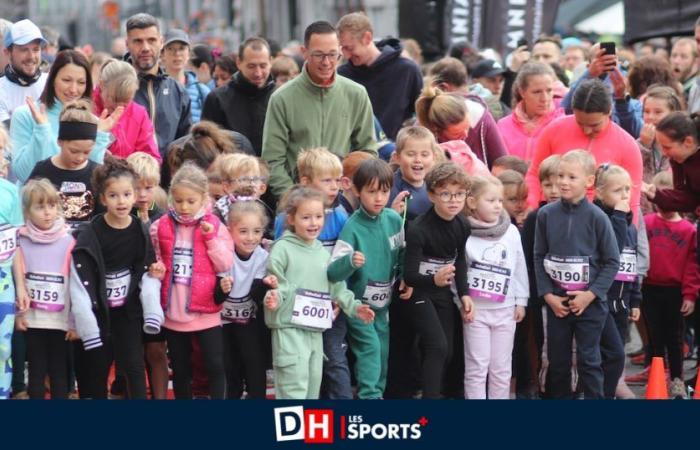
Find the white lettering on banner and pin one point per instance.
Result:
(117, 287)
(182, 265)
(627, 271)
(537, 18)
(488, 282)
(8, 241)
(567, 272)
(46, 291)
(238, 310)
(432, 265)
(476, 23)
(378, 293)
(516, 22)
(459, 21)
(312, 309)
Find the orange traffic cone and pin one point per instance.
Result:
(696, 394)
(656, 387)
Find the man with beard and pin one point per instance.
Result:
(684, 63)
(23, 78)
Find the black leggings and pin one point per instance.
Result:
(662, 313)
(211, 341)
(245, 360)
(47, 355)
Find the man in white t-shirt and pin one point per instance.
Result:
(22, 78)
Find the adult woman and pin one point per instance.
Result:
(590, 128)
(34, 126)
(533, 109)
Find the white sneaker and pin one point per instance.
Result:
(623, 392)
(677, 389)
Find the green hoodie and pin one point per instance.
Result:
(298, 265)
(381, 240)
(303, 115)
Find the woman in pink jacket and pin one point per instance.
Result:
(591, 129)
(533, 92)
(134, 131)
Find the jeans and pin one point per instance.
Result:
(612, 352)
(336, 372)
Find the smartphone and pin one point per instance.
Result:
(609, 47)
(521, 42)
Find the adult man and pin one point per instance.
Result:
(684, 63)
(240, 105)
(165, 99)
(23, 78)
(317, 108)
(547, 50)
(393, 83)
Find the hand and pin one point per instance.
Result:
(444, 276)
(20, 323)
(467, 309)
(157, 270)
(226, 284)
(107, 121)
(72, 335)
(649, 190)
(271, 281)
(557, 304)
(647, 135)
(580, 302)
(399, 204)
(687, 307)
(206, 227)
(618, 83)
(23, 301)
(405, 291)
(336, 311)
(271, 301)
(520, 56)
(623, 205)
(39, 115)
(519, 313)
(601, 62)
(358, 259)
(364, 313)
(634, 314)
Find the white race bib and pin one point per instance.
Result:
(182, 265)
(117, 287)
(628, 265)
(378, 293)
(432, 265)
(238, 310)
(568, 272)
(46, 291)
(8, 242)
(312, 310)
(488, 282)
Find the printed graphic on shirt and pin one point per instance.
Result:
(77, 201)
(8, 241)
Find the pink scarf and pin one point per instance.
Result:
(56, 232)
(528, 123)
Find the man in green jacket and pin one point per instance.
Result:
(316, 109)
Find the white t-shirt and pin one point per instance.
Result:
(13, 95)
(244, 273)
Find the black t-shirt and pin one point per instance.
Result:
(121, 248)
(78, 199)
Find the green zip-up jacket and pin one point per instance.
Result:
(298, 265)
(381, 239)
(303, 115)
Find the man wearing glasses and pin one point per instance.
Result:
(316, 109)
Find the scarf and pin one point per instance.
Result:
(528, 123)
(20, 78)
(490, 230)
(56, 232)
(193, 221)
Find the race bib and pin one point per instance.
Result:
(432, 265)
(378, 293)
(312, 310)
(8, 242)
(488, 282)
(567, 272)
(238, 310)
(46, 291)
(117, 287)
(182, 265)
(628, 265)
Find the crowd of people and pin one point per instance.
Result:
(340, 219)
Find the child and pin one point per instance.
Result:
(369, 255)
(348, 199)
(514, 196)
(301, 307)
(509, 162)
(243, 292)
(283, 69)
(498, 286)
(41, 268)
(576, 259)
(113, 298)
(192, 247)
(613, 186)
(672, 283)
(435, 245)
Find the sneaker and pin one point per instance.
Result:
(623, 392)
(638, 378)
(638, 360)
(677, 389)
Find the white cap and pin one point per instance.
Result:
(22, 33)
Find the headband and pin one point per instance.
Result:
(74, 131)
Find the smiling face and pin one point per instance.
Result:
(247, 233)
(307, 220)
(572, 181)
(356, 48)
(655, 109)
(25, 58)
(70, 83)
(322, 57)
(415, 159)
(255, 65)
(118, 197)
(678, 151)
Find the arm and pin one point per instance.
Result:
(619, 226)
(632, 163)
(81, 308)
(212, 110)
(275, 146)
(691, 275)
(341, 267)
(627, 117)
(146, 141)
(150, 302)
(609, 259)
(414, 255)
(362, 137)
(642, 248)
(461, 279)
(680, 198)
(31, 143)
(220, 249)
(98, 150)
(521, 281)
(185, 122)
(345, 298)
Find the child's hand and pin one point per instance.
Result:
(206, 227)
(399, 204)
(226, 284)
(358, 260)
(336, 311)
(157, 270)
(72, 335)
(519, 313)
(364, 313)
(271, 301)
(107, 121)
(649, 190)
(623, 205)
(687, 307)
(647, 135)
(271, 281)
(443, 277)
(580, 302)
(557, 304)
(405, 291)
(467, 309)
(634, 314)
(20, 323)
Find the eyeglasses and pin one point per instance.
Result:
(446, 196)
(319, 57)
